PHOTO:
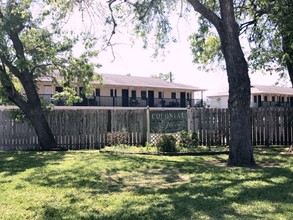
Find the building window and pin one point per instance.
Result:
(173, 95)
(133, 94)
(255, 99)
(273, 98)
(113, 92)
(265, 98)
(59, 89)
(188, 96)
(160, 95)
(283, 99)
(143, 95)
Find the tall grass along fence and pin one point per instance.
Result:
(98, 127)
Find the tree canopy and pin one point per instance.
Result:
(266, 26)
(271, 37)
(34, 44)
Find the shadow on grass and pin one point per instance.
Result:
(170, 188)
(13, 162)
(207, 194)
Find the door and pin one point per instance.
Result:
(182, 99)
(124, 97)
(151, 99)
(259, 100)
(47, 93)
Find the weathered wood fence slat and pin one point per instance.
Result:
(77, 129)
(96, 128)
(269, 126)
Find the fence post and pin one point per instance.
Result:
(189, 120)
(195, 120)
(148, 124)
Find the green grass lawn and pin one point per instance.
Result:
(93, 185)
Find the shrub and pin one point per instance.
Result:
(194, 139)
(187, 139)
(167, 143)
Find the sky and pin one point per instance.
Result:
(136, 61)
(139, 62)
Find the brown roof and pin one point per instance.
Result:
(261, 89)
(146, 82)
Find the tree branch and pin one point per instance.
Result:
(9, 88)
(206, 13)
(13, 33)
(141, 17)
(257, 15)
(245, 25)
(11, 67)
(110, 3)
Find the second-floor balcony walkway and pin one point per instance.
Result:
(131, 102)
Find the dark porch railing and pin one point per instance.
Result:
(132, 102)
(274, 104)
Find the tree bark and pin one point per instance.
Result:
(241, 153)
(31, 107)
(290, 71)
(37, 118)
(34, 112)
(287, 48)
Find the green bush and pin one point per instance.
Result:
(187, 140)
(194, 139)
(167, 143)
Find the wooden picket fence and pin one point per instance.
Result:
(77, 129)
(212, 126)
(273, 126)
(96, 128)
(270, 126)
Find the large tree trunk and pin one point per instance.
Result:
(288, 50)
(241, 153)
(31, 107)
(37, 118)
(290, 71)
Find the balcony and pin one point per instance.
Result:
(274, 104)
(131, 102)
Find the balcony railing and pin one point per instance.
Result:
(275, 104)
(131, 102)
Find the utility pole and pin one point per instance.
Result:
(171, 77)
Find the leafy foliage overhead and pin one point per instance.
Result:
(265, 24)
(34, 41)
